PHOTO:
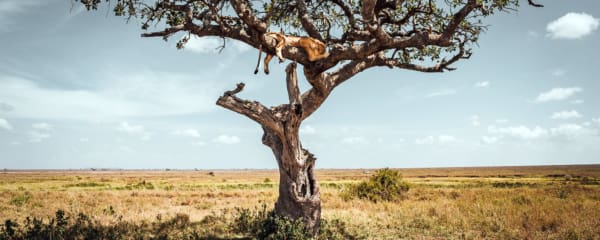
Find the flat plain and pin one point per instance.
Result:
(538, 202)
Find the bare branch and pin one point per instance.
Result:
(251, 109)
(532, 3)
(164, 33)
(293, 89)
(442, 66)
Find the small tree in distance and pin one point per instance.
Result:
(417, 35)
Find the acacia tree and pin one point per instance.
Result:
(417, 35)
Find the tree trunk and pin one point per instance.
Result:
(299, 196)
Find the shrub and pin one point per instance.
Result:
(242, 223)
(20, 200)
(385, 185)
(262, 223)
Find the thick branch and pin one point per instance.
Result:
(350, 69)
(293, 89)
(368, 14)
(244, 11)
(251, 109)
(347, 11)
(307, 22)
(458, 17)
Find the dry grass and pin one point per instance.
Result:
(557, 202)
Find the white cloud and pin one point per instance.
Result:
(441, 139)
(596, 120)
(577, 101)
(226, 139)
(213, 44)
(200, 143)
(190, 132)
(134, 130)
(565, 115)
(483, 84)
(475, 120)
(84, 140)
(354, 140)
(425, 141)
(36, 136)
(5, 124)
(501, 120)
(440, 93)
(308, 130)
(146, 93)
(131, 129)
(519, 132)
(568, 130)
(489, 140)
(557, 94)
(563, 132)
(444, 139)
(572, 26)
(42, 126)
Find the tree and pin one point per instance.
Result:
(418, 35)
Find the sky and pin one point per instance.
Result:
(83, 90)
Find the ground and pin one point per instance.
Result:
(549, 202)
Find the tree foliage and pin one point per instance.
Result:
(397, 33)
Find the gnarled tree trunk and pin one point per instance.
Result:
(299, 196)
(298, 189)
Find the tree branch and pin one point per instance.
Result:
(293, 90)
(245, 13)
(446, 37)
(307, 22)
(350, 69)
(164, 33)
(534, 4)
(440, 67)
(347, 11)
(368, 14)
(251, 109)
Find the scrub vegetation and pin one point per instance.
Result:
(557, 202)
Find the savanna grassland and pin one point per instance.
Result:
(547, 202)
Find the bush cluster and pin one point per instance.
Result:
(262, 223)
(384, 185)
(242, 223)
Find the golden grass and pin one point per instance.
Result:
(555, 202)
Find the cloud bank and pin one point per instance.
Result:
(572, 26)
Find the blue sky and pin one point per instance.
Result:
(82, 89)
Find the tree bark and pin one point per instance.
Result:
(299, 196)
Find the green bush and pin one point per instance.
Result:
(20, 200)
(385, 185)
(264, 224)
